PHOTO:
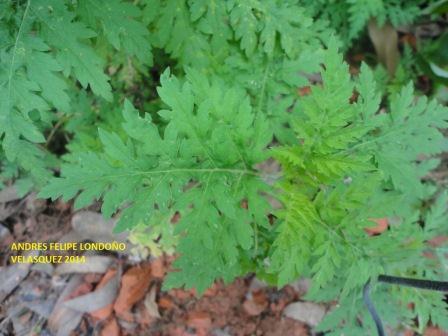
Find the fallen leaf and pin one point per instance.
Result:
(93, 278)
(92, 226)
(105, 312)
(385, 41)
(111, 328)
(134, 284)
(144, 317)
(42, 308)
(100, 298)
(166, 303)
(61, 206)
(212, 290)
(257, 284)
(6, 237)
(200, 321)
(43, 268)
(381, 225)
(9, 194)
(301, 286)
(11, 276)
(150, 303)
(307, 312)
(81, 289)
(20, 323)
(158, 268)
(63, 319)
(433, 331)
(18, 229)
(256, 303)
(182, 294)
(279, 327)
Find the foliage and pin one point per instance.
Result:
(226, 86)
(350, 17)
(35, 67)
(200, 167)
(351, 166)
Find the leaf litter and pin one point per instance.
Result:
(72, 301)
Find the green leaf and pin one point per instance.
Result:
(71, 38)
(121, 25)
(204, 173)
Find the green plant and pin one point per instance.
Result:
(350, 17)
(193, 140)
(44, 42)
(353, 165)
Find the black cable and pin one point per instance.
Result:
(416, 283)
(371, 308)
(441, 286)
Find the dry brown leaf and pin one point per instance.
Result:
(200, 321)
(273, 327)
(134, 285)
(150, 303)
(183, 295)
(111, 328)
(381, 225)
(385, 41)
(9, 194)
(6, 238)
(100, 298)
(11, 276)
(105, 312)
(158, 268)
(91, 225)
(62, 319)
(256, 303)
(433, 331)
(143, 316)
(166, 303)
(93, 278)
(212, 290)
(82, 289)
(307, 312)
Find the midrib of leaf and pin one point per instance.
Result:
(263, 89)
(13, 59)
(174, 171)
(376, 140)
(191, 170)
